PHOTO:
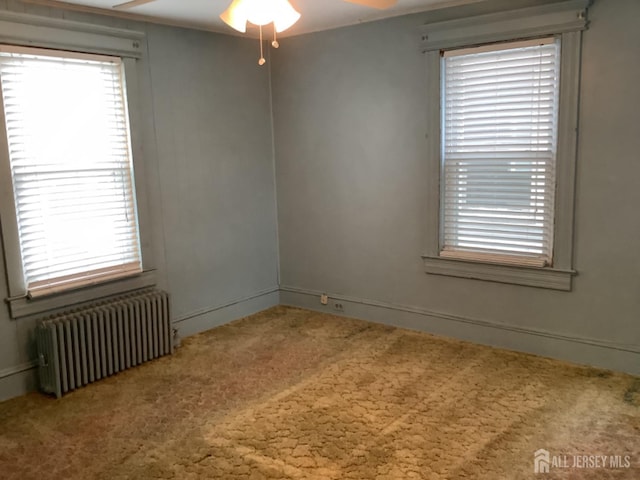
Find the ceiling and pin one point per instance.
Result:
(204, 14)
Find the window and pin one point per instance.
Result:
(499, 129)
(502, 133)
(72, 175)
(54, 163)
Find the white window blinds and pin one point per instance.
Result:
(68, 140)
(499, 128)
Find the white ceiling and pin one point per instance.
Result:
(204, 14)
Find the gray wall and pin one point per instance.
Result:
(209, 175)
(215, 158)
(350, 114)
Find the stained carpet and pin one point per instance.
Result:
(293, 394)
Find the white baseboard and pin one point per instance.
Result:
(18, 380)
(215, 316)
(21, 379)
(597, 353)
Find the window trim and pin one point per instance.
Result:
(64, 35)
(566, 20)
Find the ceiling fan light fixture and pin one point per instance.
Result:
(261, 12)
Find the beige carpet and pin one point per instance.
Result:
(293, 394)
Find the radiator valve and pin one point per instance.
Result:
(176, 338)
(43, 360)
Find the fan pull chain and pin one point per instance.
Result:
(275, 43)
(262, 61)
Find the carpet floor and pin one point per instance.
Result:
(293, 394)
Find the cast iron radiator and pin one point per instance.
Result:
(79, 347)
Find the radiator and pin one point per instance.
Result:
(79, 347)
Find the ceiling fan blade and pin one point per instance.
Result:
(380, 4)
(131, 4)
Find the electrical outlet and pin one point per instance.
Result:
(324, 299)
(338, 307)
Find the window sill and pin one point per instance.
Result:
(23, 306)
(551, 278)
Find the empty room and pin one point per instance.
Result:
(319, 239)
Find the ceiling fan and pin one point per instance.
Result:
(280, 13)
(380, 4)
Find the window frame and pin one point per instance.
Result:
(64, 35)
(565, 20)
